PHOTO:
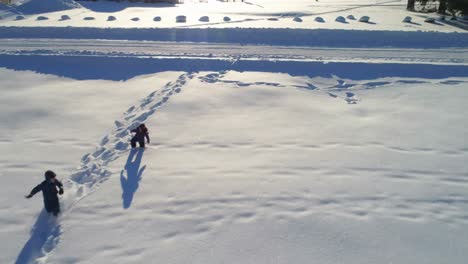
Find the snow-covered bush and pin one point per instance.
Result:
(181, 19)
(340, 19)
(364, 19)
(297, 19)
(320, 19)
(204, 19)
(429, 20)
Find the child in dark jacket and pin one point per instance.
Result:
(50, 188)
(141, 132)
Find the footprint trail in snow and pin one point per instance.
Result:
(45, 234)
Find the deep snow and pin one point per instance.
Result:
(244, 167)
(330, 146)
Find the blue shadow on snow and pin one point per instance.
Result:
(111, 7)
(124, 68)
(256, 36)
(131, 182)
(45, 230)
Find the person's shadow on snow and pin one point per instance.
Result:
(46, 230)
(131, 182)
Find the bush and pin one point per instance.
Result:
(458, 6)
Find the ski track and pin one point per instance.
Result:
(45, 235)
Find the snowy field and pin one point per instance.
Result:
(297, 14)
(243, 168)
(315, 144)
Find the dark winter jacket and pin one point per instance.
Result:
(49, 192)
(141, 133)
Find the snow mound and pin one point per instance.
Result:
(320, 19)
(407, 19)
(430, 20)
(364, 19)
(297, 19)
(46, 6)
(340, 19)
(204, 19)
(181, 19)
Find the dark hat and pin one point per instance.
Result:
(49, 174)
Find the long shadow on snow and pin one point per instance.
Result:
(130, 184)
(124, 68)
(109, 7)
(46, 226)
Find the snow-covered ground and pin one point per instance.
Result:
(243, 168)
(294, 142)
(303, 14)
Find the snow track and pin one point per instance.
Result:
(46, 231)
(156, 49)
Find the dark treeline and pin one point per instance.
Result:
(452, 7)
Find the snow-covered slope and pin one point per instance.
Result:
(243, 167)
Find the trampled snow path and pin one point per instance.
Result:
(46, 232)
(156, 49)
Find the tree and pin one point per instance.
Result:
(442, 6)
(410, 5)
(454, 7)
(457, 6)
